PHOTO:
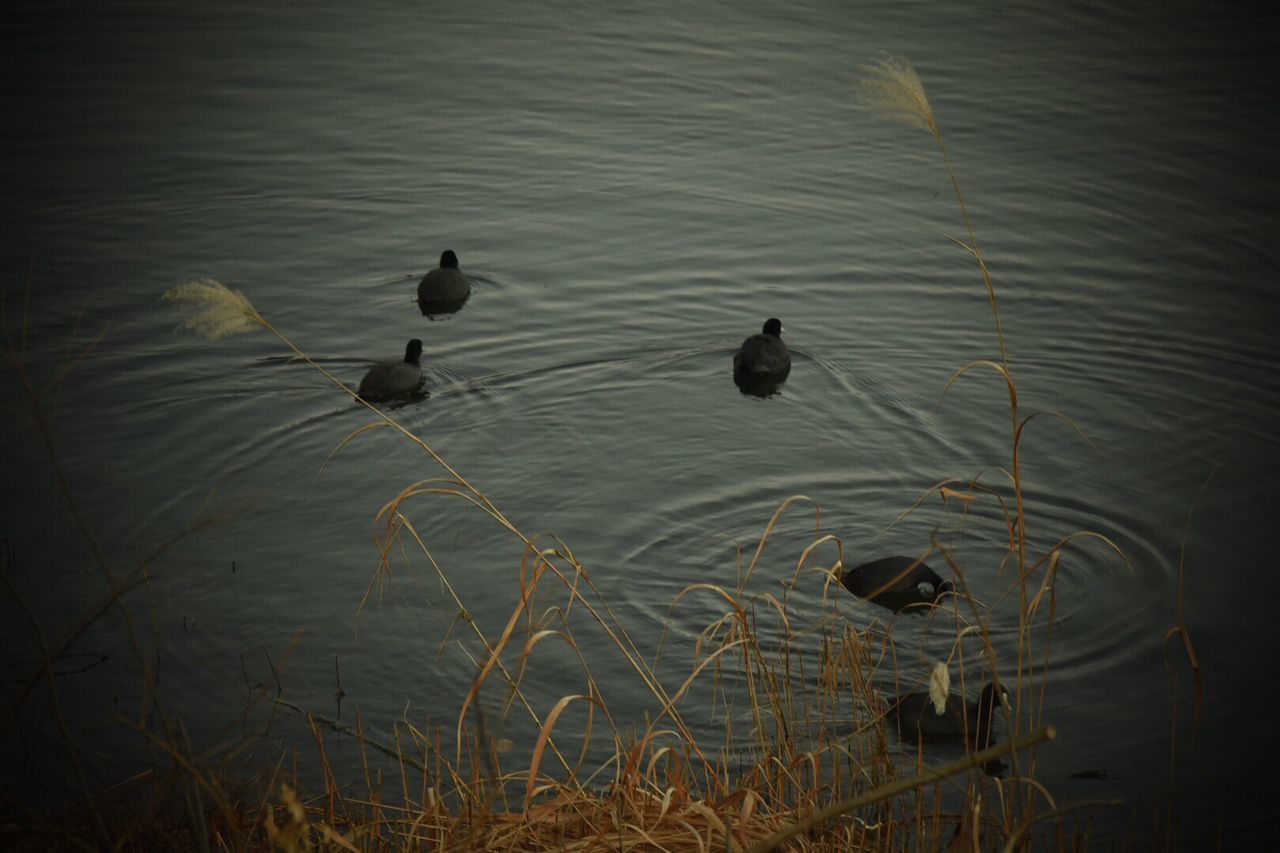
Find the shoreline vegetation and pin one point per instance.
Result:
(812, 757)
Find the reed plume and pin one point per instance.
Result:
(891, 90)
(939, 687)
(213, 310)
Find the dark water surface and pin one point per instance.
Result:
(633, 193)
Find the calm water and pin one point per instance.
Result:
(634, 192)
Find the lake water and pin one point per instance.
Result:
(634, 190)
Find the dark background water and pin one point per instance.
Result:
(634, 192)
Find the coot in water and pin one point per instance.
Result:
(763, 361)
(391, 378)
(444, 289)
(917, 715)
(898, 583)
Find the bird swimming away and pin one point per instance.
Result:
(898, 583)
(392, 378)
(917, 715)
(444, 288)
(764, 352)
(763, 361)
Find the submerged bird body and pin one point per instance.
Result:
(764, 353)
(898, 583)
(445, 285)
(918, 716)
(390, 378)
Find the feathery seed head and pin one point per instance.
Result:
(891, 90)
(939, 687)
(212, 309)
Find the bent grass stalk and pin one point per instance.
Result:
(43, 402)
(890, 89)
(1179, 630)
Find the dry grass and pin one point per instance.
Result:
(891, 90)
(212, 309)
(794, 747)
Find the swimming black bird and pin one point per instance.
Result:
(444, 289)
(391, 378)
(765, 352)
(763, 361)
(898, 583)
(918, 716)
